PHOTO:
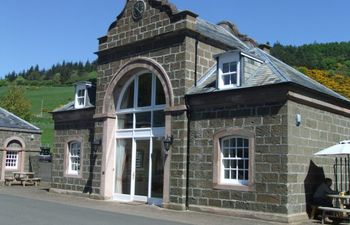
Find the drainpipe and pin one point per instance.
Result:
(188, 153)
(195, 62)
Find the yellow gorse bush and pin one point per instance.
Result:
(337, 82)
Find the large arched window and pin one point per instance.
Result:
(142, 103)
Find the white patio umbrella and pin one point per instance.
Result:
(343, 148)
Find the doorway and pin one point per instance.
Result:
(139, 170)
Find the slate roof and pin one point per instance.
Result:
(272, 71)
(9, 120)
(70, 107)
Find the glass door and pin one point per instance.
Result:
(139, 170)
(142, 169)
(123, 169)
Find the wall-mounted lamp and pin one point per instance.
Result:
(97, 141)
(32, 137)
(168, 141)
(297, 120)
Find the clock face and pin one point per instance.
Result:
(139, 9)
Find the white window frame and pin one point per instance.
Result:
(12, 157)
(219, 181)
(72, 156)
(78, 89)
(232, 156)
(232, 57)
(136, 109)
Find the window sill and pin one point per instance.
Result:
(68, 175)
(233, 187)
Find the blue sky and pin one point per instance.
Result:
(45, 32)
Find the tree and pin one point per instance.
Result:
(15, 101)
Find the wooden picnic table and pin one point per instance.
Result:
(340, 211)
(340, 200)
(23, 177)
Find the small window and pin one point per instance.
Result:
(74, 150)
(81, 94)
(229, 70)
(229, 73)
(81, 97)
(11, 160)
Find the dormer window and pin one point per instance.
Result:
(229, 73)
(229, 70)
(81, 97)
(81, 94)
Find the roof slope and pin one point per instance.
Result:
(11, 121)
(272, 71)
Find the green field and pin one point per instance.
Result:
(44, 100)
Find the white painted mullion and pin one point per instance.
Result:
(133, 169)
(150, 168)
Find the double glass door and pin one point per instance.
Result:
(139, 170)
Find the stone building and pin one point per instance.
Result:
(191, 115)
(19, 140)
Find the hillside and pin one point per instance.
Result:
(44, 100)
(328, 63)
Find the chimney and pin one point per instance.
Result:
(265, 47)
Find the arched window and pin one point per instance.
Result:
(12, 155)
(142, 103)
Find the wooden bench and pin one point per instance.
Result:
(332, 209)
(26, 180)
(9, 180)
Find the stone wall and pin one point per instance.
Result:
(319, 129)
(89, 179)
(32, 142)
(269, 123)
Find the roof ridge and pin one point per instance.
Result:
(274, 67)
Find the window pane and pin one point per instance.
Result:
(128, 98)
(233, 142)
(246, 164)
(233, 67)
(81, 93)
(158, 119)
(144, 90)
(226, 163)
(226, 152)
(125, 121)
(225, 67)
(160, 96)
(239, 153)
(240, 164)
(240, 175)
(143, 119)
(81, 101)
(232, 153)
(246, 175)
(227, 174)
(234, 78)
(239, 142)
(233, 163)
(246, 153)
(234, 174)
(226, 143)
(226, 79)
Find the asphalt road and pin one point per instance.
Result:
(32, 205)
(16, 210)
